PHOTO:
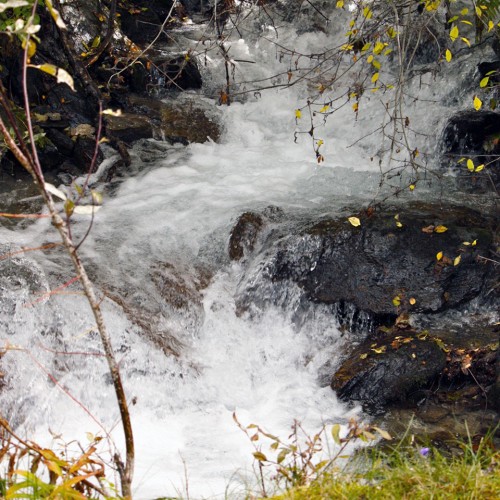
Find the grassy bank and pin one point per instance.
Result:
(411, 473)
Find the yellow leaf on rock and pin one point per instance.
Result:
(396, 301)
(413, 301)
(363, 356)
(457, 260)
(477, 103)
(354, 221)
(448, 55)
(298, 113)
(470, 165)
(454, 33)
(440, 229)
(484, 82)
(375, 77)
(439, 255)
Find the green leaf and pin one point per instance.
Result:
(282, 455)
(258, 455)
(336, 433)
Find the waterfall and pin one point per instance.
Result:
(158, 254)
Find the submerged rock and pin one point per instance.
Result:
(244, 235)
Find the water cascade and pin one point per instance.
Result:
(158, 252)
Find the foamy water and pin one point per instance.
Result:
(179, 210)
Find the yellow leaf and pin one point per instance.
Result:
(479, 168)
(62, 76)
(324, 109)
(355, 107)
(363, 356)
(477, 103)
(439, 255)
(367, 12)
(376, 64)
(479, 12)
(470, 165)
(55, 14)
(379, 47)
(464, 11)
(413, 301)
(320, 143)
(448, 55)
(474, 243)
(340, 4)
(112, 112)
(298, 113)
(354, 221)
(412, 187)
(383, 433)
(484, 82)
(454, 33)
(396, 301)
(491, 25)
(466, 243)
(457, 260)
(466, 41)
(375, 77)
(399, 224)
(366, 46)
(440, 229)
(369, 59)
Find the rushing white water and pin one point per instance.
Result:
(178, 210)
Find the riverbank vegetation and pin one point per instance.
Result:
(416, 472)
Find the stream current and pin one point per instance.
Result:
(176, 213)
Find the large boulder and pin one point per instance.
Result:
(420, 259)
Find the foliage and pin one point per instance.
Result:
(411, 471)
(303, 459)
(32, 471)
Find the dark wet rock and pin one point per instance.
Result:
(474, 135)
(333, 262)
(244, 235)
(178, 121)
(381, 372)
(130, 127)
(141, 24)
(468, 131)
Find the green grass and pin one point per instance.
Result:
(406, 474)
